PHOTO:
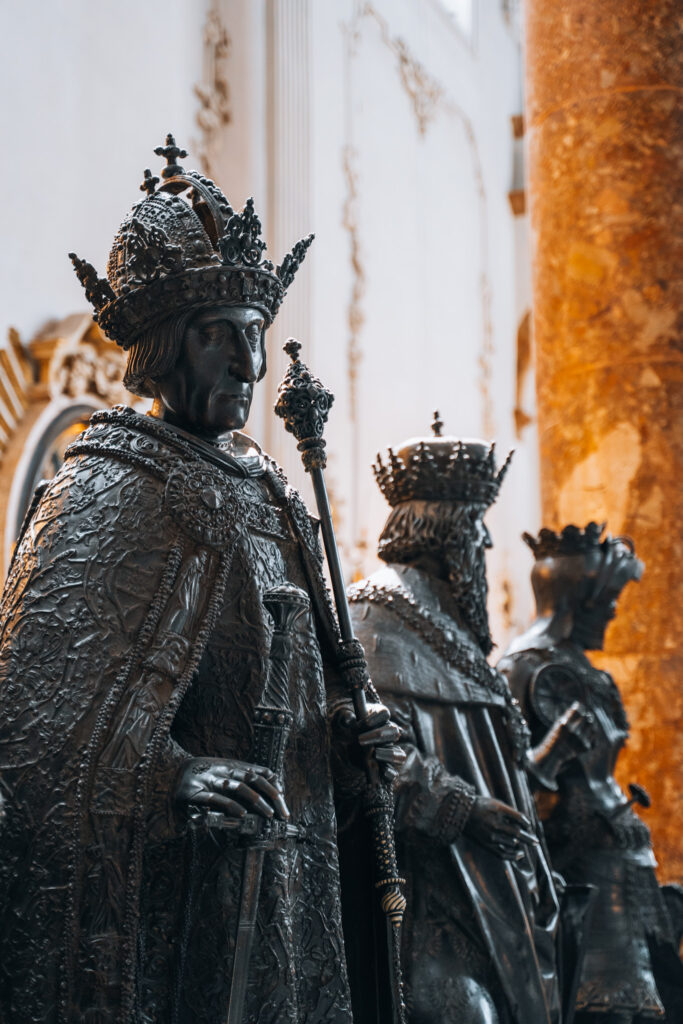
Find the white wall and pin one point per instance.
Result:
(377, 125)
(411, 164)
(89, 89)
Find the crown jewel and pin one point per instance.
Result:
(183, 246)
(440, 469)
(571, 540)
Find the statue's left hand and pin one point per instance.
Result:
(376, 733)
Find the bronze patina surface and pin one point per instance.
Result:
(483, 912)
(136, 669)
(592, 830)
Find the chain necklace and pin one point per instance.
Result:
(454, 652)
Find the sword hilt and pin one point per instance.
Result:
(273, 716)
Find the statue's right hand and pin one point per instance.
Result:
(235, 788)
(577, 728)
(501, 829)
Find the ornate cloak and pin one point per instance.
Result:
(462, 734)
(133, 637)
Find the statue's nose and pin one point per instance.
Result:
(245, 361)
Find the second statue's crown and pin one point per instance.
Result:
(440, 469)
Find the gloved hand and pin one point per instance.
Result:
(570, 735)
(234, 788)
(499, 828)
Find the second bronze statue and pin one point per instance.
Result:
(480, 943)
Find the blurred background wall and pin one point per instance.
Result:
(395, 130)
(386, 128)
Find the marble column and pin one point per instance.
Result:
(605, 147)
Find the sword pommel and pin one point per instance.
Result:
(285, 605)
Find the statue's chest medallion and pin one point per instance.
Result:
(214, 508)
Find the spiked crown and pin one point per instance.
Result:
(183, 246)
(572, 540)
(440, 469)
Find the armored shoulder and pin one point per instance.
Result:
(544, 685)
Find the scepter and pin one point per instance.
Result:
(304, 403)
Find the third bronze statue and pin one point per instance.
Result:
(593, 833)
(168, 650)
(483, 911)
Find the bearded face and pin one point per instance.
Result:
(465, 559)
(449, 539)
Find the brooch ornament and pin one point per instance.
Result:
(205, 504)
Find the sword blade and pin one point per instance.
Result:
(246, 929)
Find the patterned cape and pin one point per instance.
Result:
(134, 592)
(470, 914)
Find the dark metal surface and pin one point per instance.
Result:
(179, 248)
(135, 640)
(272, 722)
(479, 944)
(303, 403)
(594, 835)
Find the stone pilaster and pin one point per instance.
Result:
(605, 147)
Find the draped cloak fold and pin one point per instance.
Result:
(133, 637)
(468, 910)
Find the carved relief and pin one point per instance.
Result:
(215, 111)
(85, 371)
(48, 389)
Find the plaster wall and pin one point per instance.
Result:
(419, 273)
(381, 127)
(89, 89)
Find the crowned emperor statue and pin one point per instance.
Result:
(594, 835)
(136, 643)
(483, 911)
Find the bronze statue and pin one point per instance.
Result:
(483, 912)
(593, 833)
(169, 851)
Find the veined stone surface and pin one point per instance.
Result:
(605, 126)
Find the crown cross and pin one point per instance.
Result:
(149, 183)
(437, 424)
(292, 348)
(171, 152)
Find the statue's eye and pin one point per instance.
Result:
(253, 333)
(211, 335)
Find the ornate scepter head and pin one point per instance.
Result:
(303, 403)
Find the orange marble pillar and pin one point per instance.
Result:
(605, 156)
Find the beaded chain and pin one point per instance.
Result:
(453, 651)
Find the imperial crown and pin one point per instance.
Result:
(572, 540)
(440, 469)
(183, 246)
